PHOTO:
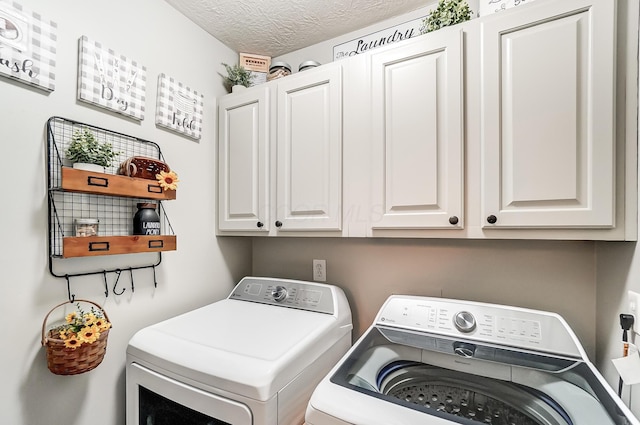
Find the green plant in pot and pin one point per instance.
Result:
(87, 153)
(448, 12)
(237, 75)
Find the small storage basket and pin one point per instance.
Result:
(72, 361)
(142, 167)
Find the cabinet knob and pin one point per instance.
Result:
(492, 219)
(278, 223)
(453, 220)
(260, 224)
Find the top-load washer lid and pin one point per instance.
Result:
(252, 343)
(421, 362)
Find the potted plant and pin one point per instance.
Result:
(448, 12)
(237, 75)
(87, 153)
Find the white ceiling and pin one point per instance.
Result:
(276, 27)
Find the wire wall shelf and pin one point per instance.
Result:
(107, 197)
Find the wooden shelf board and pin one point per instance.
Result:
(112, 184)
(112, 245)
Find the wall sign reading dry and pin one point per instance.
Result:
(110, 80)
(27, 46)
(178, 107)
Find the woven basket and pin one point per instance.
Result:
(72, 361)
(142, 167)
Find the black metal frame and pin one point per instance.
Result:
(119, 209)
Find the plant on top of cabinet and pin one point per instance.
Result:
(237, 75)
(85, 149)
(448, 12)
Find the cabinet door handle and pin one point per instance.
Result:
(98, 246)
(259, 224)
(156, 244)
(453, 220)
(492, 219)
(278, 223)
(154, 188)
(97, 181)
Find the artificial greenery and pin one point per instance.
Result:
(448, 12)
(84, 147)
(237, 75)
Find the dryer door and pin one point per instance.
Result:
(154, 399)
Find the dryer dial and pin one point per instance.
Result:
(279, 293)
(464, 321)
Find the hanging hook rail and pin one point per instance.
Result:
(118, 272)
(71, 296)
(155, 282)
(133, 288)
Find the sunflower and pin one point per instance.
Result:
(102, 324)
(72, 342)
(89, 319)
(168, 180)
(89, 334)
(63, 334)
(71, 317)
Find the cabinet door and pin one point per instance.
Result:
(243, 183)
(309, 150)
(418, 134)
(548, 115)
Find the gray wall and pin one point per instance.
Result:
(200, 271)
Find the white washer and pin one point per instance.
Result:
(438, 361)
(251, 359)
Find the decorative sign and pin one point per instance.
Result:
(179, 108)
(487, 7)
(110, 80)
(377, 39)
(27, 46)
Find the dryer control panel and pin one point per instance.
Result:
(286, 293)
(491, 323)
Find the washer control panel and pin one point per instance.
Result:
(286, 293)
(494, 323)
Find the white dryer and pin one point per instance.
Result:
(438, 361)
(251, 359)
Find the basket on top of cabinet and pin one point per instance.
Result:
(103, 202)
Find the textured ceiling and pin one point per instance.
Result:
(276, 27)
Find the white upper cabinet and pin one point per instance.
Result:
(417, 120)
(309, 150)
(517, 125)
(548, 108)
(280, 156)
(243, 161)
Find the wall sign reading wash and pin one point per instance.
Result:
(377, 39)
(27, 46)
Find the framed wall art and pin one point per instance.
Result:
(27, 46)
(179, 107)
(110, 80)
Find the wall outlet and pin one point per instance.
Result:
(634, 307)
(320, 270)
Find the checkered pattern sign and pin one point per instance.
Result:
(110, 80)
(27, 46)
(179, 108)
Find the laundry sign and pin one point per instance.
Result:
(378, 39)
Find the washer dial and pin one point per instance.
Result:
(279, 293)
(464, 321)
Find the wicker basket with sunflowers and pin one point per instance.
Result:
(78, 345)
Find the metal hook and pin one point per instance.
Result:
(118, 272)
(155, 282)
(72, 297)
(106, 285)
(131, 275)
